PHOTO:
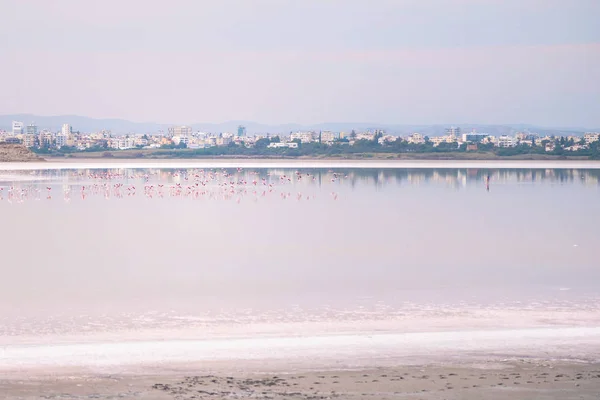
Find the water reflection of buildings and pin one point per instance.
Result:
(454, 178)
(457, 178)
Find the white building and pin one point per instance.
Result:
(28, 140)
(32, 129)
(61, 139)
(591, 137)
(196, 143)
(66, 130)
(453, 131)
(436, 140)
(304, 137)
(365, 136)
(17, 128)
(177, 140)
(141, 141)
(224, 140)
(416, 138)
(114, 143)
(122, 142)
(474, 137)
(522, 135)
(279, 145)
(387, 139)
(327, 137)
(180, 130)
(45, 138)
(506, 141)
(551, 146)
(576, 147)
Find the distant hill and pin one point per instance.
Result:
(84, 124)
(121, 126)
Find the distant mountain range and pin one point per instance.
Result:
(121, 126)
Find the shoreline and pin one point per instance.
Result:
(53, 164)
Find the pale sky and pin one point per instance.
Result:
(304, 61)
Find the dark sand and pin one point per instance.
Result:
(507, 380)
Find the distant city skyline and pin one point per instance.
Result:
(122, 126)
(436, 62)
(180, 137)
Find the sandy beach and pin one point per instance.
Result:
(54, 164)
(494, 380)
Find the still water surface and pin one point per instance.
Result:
(171, 254)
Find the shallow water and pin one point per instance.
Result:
(96, 256)
(101, 163)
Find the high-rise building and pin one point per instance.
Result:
(241, 131)
(182, 130)
(61, 139)
(327, 137)
(28, 140)
(66, 130)
(453, 131)
(474, 137)
(17, 128)
(45, 138)
(32, 129)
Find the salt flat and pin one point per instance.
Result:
(328, 351)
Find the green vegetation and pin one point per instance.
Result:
(65, 150)
(364, 148)
(342, 149)
(181, 145)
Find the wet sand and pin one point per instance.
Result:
(492, 380)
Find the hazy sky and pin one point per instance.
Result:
(304, 61)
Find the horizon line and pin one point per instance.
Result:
(374, 124)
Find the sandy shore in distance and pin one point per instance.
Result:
(298, 163)
(505, 380)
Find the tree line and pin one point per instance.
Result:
(342, 147)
